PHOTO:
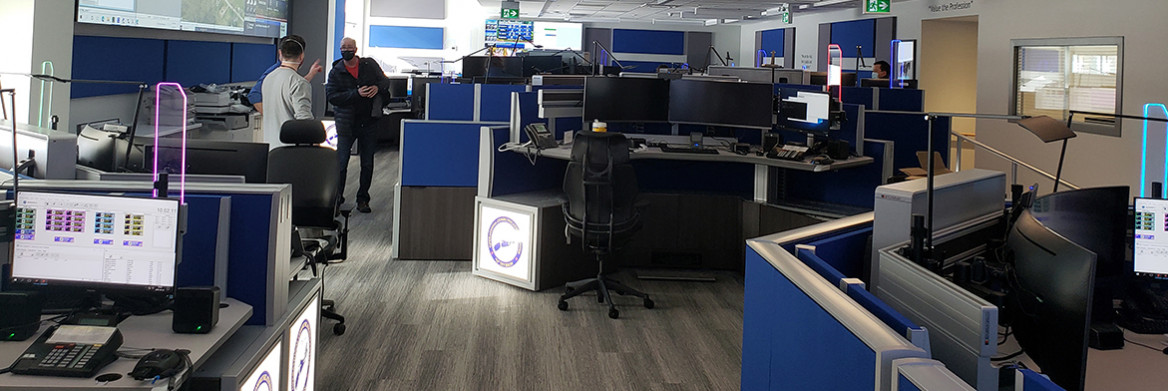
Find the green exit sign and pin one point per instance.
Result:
(509, 13)
(877, 6)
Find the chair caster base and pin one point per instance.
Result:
(339, 329)
(649, 303)
(563, 306)
(613, 313)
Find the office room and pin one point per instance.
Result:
(602, 194)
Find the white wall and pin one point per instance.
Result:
(464, 26)
(32, 32)
(950, 66)
(1091, 160)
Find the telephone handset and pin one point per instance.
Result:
(540, 136)
(71, 351)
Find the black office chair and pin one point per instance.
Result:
(320, 226)
(602, 210)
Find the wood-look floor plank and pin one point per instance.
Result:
(431, 325)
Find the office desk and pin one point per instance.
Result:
(564, 152)
(150, 331)
(1132, 368)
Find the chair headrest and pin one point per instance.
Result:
(302, 131)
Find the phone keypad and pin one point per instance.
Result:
(69, 355)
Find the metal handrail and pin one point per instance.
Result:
(1013, 161)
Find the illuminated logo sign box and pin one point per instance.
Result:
(505, 242)
(302, 347)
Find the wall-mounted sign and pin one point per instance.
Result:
(877, 6)
(509, 13)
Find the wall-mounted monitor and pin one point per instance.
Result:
(558, 35)
(265, 18)
(721, 103)
(509, 33)
(625, 99)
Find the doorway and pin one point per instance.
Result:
(948, 73)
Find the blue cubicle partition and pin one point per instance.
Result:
(441, 153)
(503, 173)
(450, 102)
(909, 132)
(864, 96)
(204, 243)
(901, 99)
(495, 101)
(1028, 380)
(844, 252)
(852, 187)
(832, 343)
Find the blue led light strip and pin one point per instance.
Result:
(1144, 160)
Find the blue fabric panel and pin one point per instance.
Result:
(854, 33)
(760, 311)
(145, 65)
(849, 131)
(574, 124)
(513, 173)
(909, 132)
(845, 252)
(811, 350)
(192, 63)
(790, 247)
(451, 102)
(886, 314)
(903, 384)
(673, 176)
(1032, 381)
(496, 101)
(820, 266)
(249, 60)
(643, 66)
(902, 99)
(528, 114)
(199, 242)
(248, 252)
(440, 154)
(338, 29)
(648, 41)
(774, 41)
(851, 186)
(404, 37)
(863, 96)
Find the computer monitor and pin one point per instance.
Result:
(721, 103)
(1049, 299)
(211, 157)
(484, 67)
(418, 91)
(879, 83)
(103, 242)
(1096, 219)
(626, 99)
(399, 87)
(847, 79)
(1150, 248)
(808, 112)
(535, 65)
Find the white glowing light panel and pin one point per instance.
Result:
(302, 340)
(504, 243)
(266, 376)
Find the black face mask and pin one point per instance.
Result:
(348, 54)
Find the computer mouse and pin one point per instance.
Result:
(161, 363)
(822, 160)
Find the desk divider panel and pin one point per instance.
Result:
(901, 99)
(909, 132)
(832, 343)
(494, 101)
(917, 374)
(450, 102)
(864, 96)
(441, 153)
(851, 187)
(503, 173)
(205, 244)
(845, 252)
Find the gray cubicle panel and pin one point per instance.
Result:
(919, 374)
(55, 151)
(257, 275)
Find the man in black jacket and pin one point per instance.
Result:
(356, 87)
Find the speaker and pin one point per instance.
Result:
(196, 309)
(22, 315)
(770, 141)
(838, 149)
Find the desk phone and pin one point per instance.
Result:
(789, 152)
(71, 351)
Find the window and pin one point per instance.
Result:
(1055, 76)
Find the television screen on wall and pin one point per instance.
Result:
(257, 18)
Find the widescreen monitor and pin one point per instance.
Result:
(1095, 218)
(485, 67)
(1049, 302)
(807, 111)
(558, 35)
(268, 19)
(536, 65)
(721, 103)
(103, 242)
(1150, 249)
(508, 33)
(626, 99)
(847, 79)
(399, 87)
(211, 157)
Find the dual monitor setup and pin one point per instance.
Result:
(106, 151)
(709, 102)
(1062, 266)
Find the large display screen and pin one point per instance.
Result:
(558, 35)
(99, 241)
(509, 33)
(260, 18)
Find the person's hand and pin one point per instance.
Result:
(367, 91)
(314, 69)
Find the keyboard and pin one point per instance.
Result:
(701, 151)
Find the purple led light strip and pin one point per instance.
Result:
(182, 179)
